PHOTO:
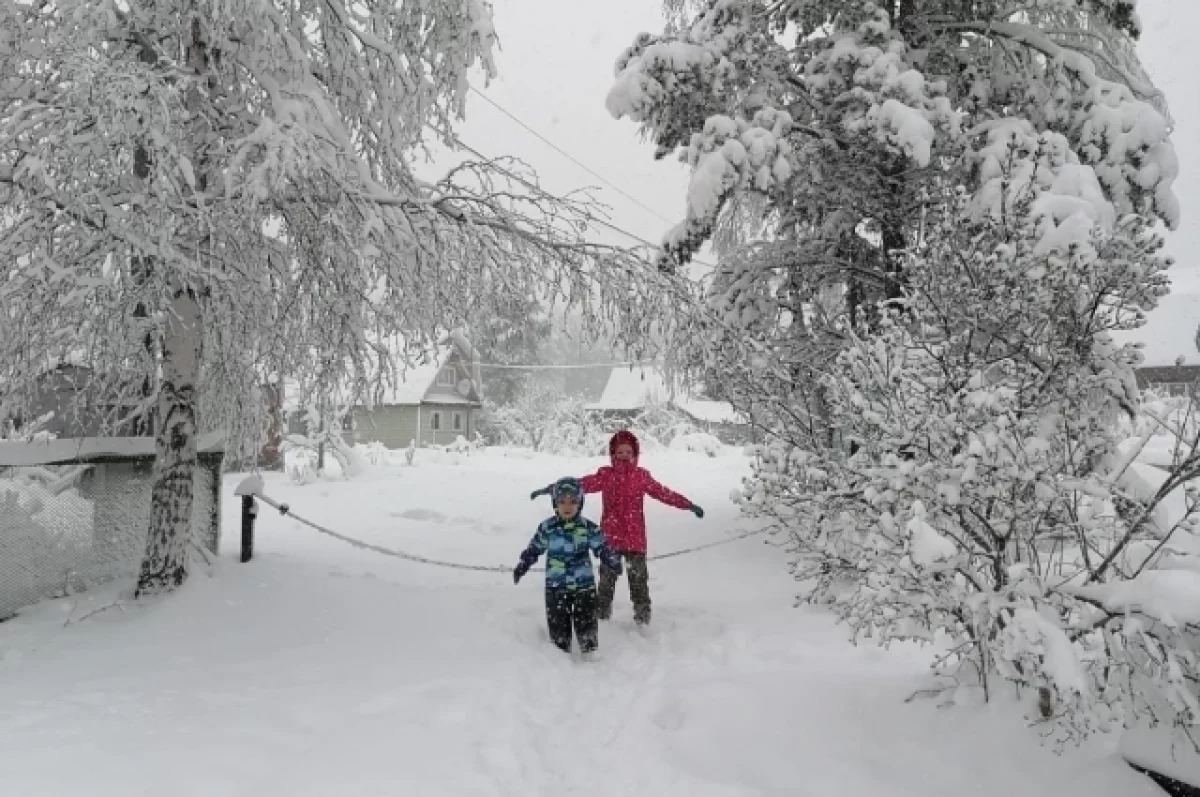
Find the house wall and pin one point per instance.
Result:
(458, 365)
(58, 392)
(447, 434)
(394, 426)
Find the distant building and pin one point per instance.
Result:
(631, 390)
(434, 403)
(1175, 380)
(65, 404)
(1169, 339)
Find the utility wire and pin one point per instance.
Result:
(625, 364)
(531, 186)
(569, 156)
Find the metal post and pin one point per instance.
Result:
(249, 513)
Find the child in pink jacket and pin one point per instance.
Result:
(624, 486)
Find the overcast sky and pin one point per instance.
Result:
(556, 66)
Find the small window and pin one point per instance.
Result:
(446, 377)
(458, 422)
(435, 421)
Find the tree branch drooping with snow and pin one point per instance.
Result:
(202, 196)
(930, 216)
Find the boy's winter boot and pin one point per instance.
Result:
(605, 592)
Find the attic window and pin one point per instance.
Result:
(445, 377)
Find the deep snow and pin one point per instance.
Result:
(321, 669)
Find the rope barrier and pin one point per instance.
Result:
(284, 509)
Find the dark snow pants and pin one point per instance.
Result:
(639, 587)
(570, 610)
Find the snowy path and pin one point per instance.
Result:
(323, 670)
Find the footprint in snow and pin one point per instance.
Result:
(670, 714)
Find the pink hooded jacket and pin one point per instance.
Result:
(623, 486)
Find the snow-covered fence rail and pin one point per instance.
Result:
(75, 513)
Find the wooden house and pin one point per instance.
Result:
(433, 403)
(630, 391)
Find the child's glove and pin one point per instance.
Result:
(613, 563)
(539, 492)
(696, 510)
(519, 572)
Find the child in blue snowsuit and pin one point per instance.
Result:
(568, 539)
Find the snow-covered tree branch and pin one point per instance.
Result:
(201, 196)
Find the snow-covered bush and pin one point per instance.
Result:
(374, 453)
(660, 423)
(300, 464)
(324, 421)
(544, 420)
(980, 490)
(697, 442)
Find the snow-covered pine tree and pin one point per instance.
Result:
(826, 136)
(180, 176)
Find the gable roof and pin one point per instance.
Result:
(634, 388)
(415, 381)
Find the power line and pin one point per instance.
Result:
(569, 156)
(625, 364)
(589, 216)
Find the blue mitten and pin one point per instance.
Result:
(696, 510)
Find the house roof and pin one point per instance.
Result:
(633, 388)
(413, 382)
(415, 372)
(709, 411)
(89, 449)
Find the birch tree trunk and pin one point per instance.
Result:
(165, 563)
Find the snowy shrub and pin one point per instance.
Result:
(544, 420)
(324, 421)
(661, 423)
(375, 452)
(980, 489)
(300, 464)
(699, 443)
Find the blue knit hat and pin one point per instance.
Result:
(567, 485)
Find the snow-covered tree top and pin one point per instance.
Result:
(754, 110)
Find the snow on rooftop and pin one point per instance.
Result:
(633, 388)
(15, 454)
(1170, 330)
(413, 382)
(709, 411)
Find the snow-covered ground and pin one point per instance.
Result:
(326, 670)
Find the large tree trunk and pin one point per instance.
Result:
(165, 563)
